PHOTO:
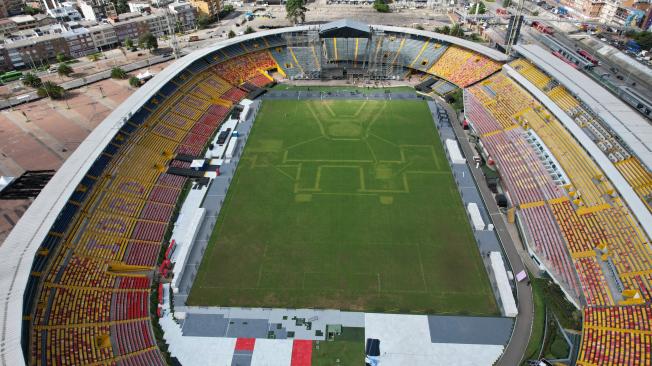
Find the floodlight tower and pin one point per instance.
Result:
(514, 30)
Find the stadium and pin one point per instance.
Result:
(247, 207)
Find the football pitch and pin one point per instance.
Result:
(344, 205)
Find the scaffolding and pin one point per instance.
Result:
(345, 57)
(303, 49)
(381, 61)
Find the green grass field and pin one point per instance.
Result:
(347, 205)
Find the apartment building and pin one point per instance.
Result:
(11, 7)
(206, 7)
(104, 36)
(97, 10)
(184, 15)
(139, 6)
(80, 41)
(129, 25)
(36, 51)
(66, 12)
(7, 26)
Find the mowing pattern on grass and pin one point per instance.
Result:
(346, 205)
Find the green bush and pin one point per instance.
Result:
(64, 69)
(134, 82)
(118, 73)
(32, 80)
(381, 6)
(51, 90)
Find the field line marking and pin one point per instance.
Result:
(328, 161)
(371, 150)
(423, 270)
(382, 139)
(405, 183)
(318, 177)
(362, 105)
(326, 105)
(434, 156)
(284, 173)
(262, 263)
(362, 183)
(434, 172)
(345, 194)
(303, 142)
(297, 179)
(378, 114)
(317, 119)
(376, 191)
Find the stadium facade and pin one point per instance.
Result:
(574, 163)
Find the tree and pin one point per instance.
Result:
(456, 30)
(93, 57)
(148, 41)
(50, 89)
(61, 57)
(203, 21)
(644, 39)
(121, 6)
(226, 10)
(134, 82)
(31, 10)
(64, 70)
(478, 8)
(118, 73)
(296, 11)
(231, 34)
(32, 80)
(381, 6)
(443, 30)
(419, 27)
(129, 43)
(249, 30)
(507, 3)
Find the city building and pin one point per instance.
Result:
(3, 9)
(11, 7)
(7, 26)
(139, 6)
(129, 26)
(104, 36)
(66, 12)
(97, 9)
(80, 41)
(36, 51)
(184, 15)
(24, 21)
(206, 7)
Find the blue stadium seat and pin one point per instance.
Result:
(50, 242)
(65, 218)
(98, 167)
(198, 66)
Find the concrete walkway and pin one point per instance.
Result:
(76, 83)
(517, 345)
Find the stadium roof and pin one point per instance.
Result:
(473, 46)
(632, 128)
(19, 248)
(345, 28)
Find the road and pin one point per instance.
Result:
(515, 350)
(605, 67)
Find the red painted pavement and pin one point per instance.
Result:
(301, 353)
(245, 344)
